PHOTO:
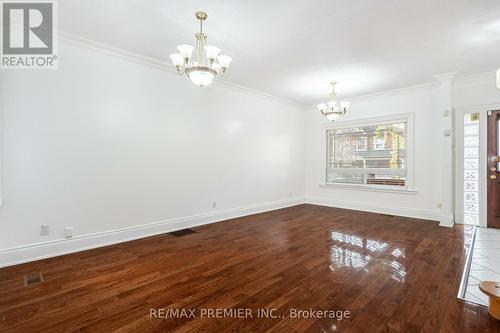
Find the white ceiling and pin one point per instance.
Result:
(293, 49)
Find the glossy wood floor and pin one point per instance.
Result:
(392, 274)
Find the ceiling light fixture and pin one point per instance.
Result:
(334, 109)
(206, 64)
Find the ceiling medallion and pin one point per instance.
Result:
(206, 64)
(334, 109)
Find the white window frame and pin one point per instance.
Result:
(409, 187)
(375, 144)
(365, 139)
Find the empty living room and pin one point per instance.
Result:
(250, 166)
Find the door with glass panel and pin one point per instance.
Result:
(493, 162)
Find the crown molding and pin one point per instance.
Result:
(446, 77)
(477, 76)
(167, 67)
(258, 93)
(455, 77)
(395, 92)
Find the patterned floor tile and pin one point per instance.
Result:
(485, 264)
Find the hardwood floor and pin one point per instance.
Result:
(391, 274)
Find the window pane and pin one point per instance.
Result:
(346, 178)
(471, 196)
(471, 208)
(471, 130)
(471, 141)
(471, 174)
(471, 152)
(471, 219)
(354, 152)
(471, 186)
(471, 164)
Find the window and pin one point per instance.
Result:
(361, 144)
(372, 153)
(378, 143)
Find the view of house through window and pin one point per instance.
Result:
(369, 154)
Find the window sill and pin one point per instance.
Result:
(371, 188)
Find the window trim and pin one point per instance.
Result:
(410, 151)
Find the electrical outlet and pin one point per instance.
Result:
(214, 204)
(439, 205)
(44, 230)
(68, 232)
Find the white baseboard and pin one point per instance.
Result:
(32, 252)
(425, 214)
(446, 221)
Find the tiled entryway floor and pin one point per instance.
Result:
(485, 264)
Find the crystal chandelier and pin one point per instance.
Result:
(334, 109)
(206, 64)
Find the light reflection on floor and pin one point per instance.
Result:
(352, 251)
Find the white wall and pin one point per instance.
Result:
(476, 90)
(120, 150)
(427, 106)
(476, 94)
(434, 167)
(104, 143)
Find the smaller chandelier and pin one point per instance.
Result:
(206, 64)
(334, 109)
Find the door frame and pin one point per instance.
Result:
(459, 156)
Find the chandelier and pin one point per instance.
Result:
(206, 64)
(334, 109)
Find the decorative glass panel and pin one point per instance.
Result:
(471, 164)
(471, 197)
(471, 152)
(471, 208)
(471, 130)
(471, 141)
(471, 169)
(471, 219)
(471, 174)
(471, 118)
(471, 186)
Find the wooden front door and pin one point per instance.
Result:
(493, 173)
